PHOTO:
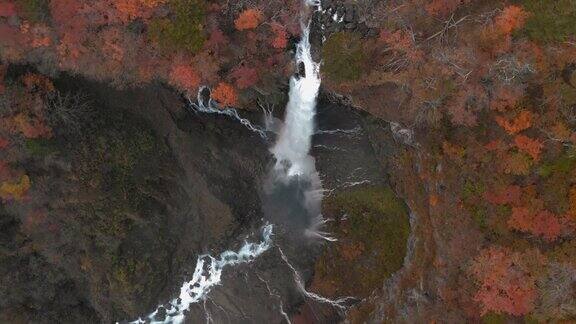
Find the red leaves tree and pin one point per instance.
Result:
(245, 76)
(505, 282)
(511, 18)
(7, 8)
(71, 28)
(403, 42)
(184, 77)
(280, 39)
(496, 39)
(540, 223)
(532, 147)
(248, 19)
(225, 94)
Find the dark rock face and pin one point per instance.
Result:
(338, 15)
(103, 261)
(107, 258)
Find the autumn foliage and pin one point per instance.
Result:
(542, 223)
(511, 18)
(15, 190)
(505, 281)
(184, 77)
(517, 124)
(248, 19)
(245, 76)
(225, 95)
(280, 39)
(532, 147)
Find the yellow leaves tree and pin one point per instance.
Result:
(15, 190)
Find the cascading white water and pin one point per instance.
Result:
(292, 149)
(205, 277)
(295, 137)
(293, 162)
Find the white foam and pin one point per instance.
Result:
(295, 137)
(207, 275)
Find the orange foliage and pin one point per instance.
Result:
(184, 76)
(248, 19)
(532, 147)
(30, 127)
(496, 39)
(433, 200)
(132, 9)
(510, 19)
(506, 284)
(225, 94)
(540, 223)
(280, 39)
(521, 122)
(15, 190)
(402, 41)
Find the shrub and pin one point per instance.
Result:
(184, 30)
(550, 20)
(248, 19)
(225, 95)
(34, 10)
(40, 147)
(343, 57)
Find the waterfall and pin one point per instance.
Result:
(293, 145)
(294, 190)
(294, 176)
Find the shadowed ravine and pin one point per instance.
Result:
(292, 196)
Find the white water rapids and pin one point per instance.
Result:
(207, 274)
(293, 161)
(295, 138)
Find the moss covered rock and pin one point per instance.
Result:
(372, 228)
(550, 20)
(343, 57)
(184, 29)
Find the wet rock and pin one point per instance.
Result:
(350, 14)
(350, 26)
